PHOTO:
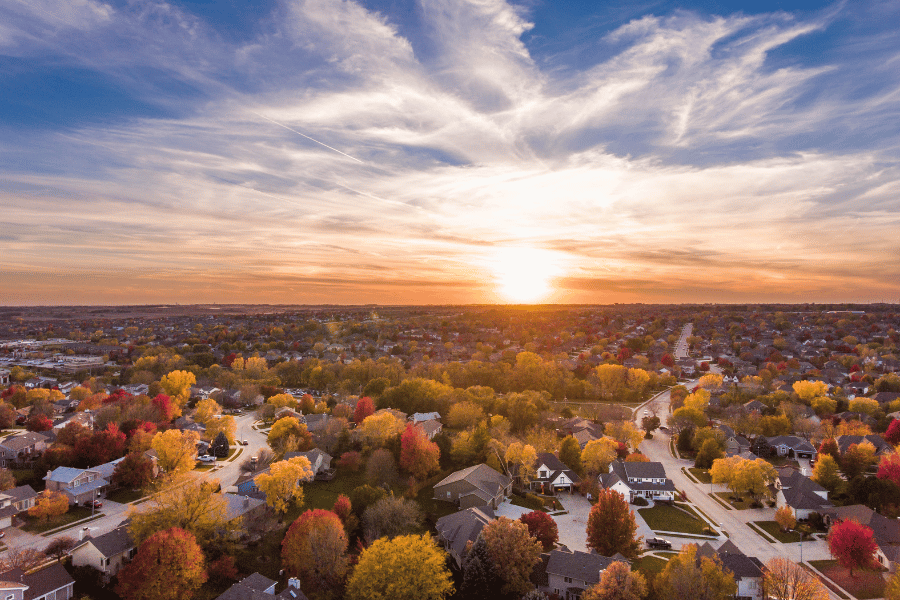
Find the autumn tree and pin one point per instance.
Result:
(598, 454)
(49, 504)
(390, 517)
(408, 567)
(827, 473)
(169, 565)
(7, 479)
(611, 526)
(175, 450)
(570, 454)
(618, 582)
(177, 385)
(785, 518)
(134, 471)
(625, 432)
(892, 589)
(542, 527)
(315, 550)
(686, 577)
(829, 446)
(38, 423)
(523, 457)
(513, 553)
(288, 434)
(743, 475)
(22, 558)
(784, 579)
(649, 424)
(60, 547)
(376, 429)
(892, 435)
(418, 455)
(381, 468)
(185, 503)
(857, 459)
(207, 410)
(709, 452)
(281, 484)
(164, 408)
(853, 545)
(364, 408)
(463, 415)
(636, 457)
(889, 468)
(807, 390)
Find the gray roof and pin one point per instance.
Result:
(42, 582)
(791, 441)
(239, 505)
(64, 474)
(845, 441)
(25, 440)
(23, 492)
(885, 530)
(462, 527)
(644, 470)
(578, 565)
(481, 476)
(112, 543)
(87, 487)
(253, 588)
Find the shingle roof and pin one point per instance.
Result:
(41, 582)
(112, 543)
(64, 474)
(21, 493)
(20, 442)
(481, 476)
(462, 527)
(644, 470)
(578, 565)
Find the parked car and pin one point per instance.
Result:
(206, 458)
(244, 442)
(659, 544)
(96, 503)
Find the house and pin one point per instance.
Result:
(49, 583)
(258, 587)
(22, 448)
(80, 485)
(422, 417)
(7, 510)
(881, 447)
(746, 570)
(319, 461)
(107, 553)
(475, 486)
(886, 531)
(754, 406)
(734, 443)
(801, 493)
(22, 497)
(639, 480)
(4, 377)
(456, 530)
(792, 446)
(238, 507)
(553, 475)
(569, 573)
(315, 423)
(431, 428)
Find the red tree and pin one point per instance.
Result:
(622, 450)
(892, 435)
(350, 461)
(611, 526)
(169, 565)
(307, 404)
(853, 545)
(100, 447)
(830, 446)
(39, 422)
(364, 408)
(667, 360)
(135, 471)
(315, 550)
(342, 507)
(418, 454)
(223, 568)
(889, 468)
(542, 527)
(163, 405)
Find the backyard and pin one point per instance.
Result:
(863, 584)
(663, 517)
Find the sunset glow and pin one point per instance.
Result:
(523, 275)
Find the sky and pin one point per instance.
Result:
(448, 151)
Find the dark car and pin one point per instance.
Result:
(659, 544)
(97, 504)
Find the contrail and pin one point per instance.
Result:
(306, 136)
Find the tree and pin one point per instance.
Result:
(8, 415)
(827, 474)
(364, 408)
(376, 429)
(177, 385)
(219, 448)
(687, 577)
(743, 475)
(222, 425)
(868, 406)
(853, 545)
(611, 526)
(513, 552)
(823, 405)
(892, 590)
(184, 503)
(829, 446)
(408, 567)
(7, 480)
(223, 568)
(60, 547)
(480, 580)
(49, 504)
(709, 452)
(889, 468)
(281, 484)
(570, 454)
(169, 565)
(288, 434)
(649, 424)
(618, 582)
(892, 435)
(636, 457)
(524, 457)
(390, 517)
(807, 390)
(785, 518)
(598, 454)
(315, 550)
(625, 432)
(857, 459)
(135, 471)
(418, 455)
(542, 527)
(175, 450)
(786, 580)
(364, 496)
(350, 461)
(21, 558)
(463, 415)
(38, 422)
(381, 468)
(164, 408)
(206, 411)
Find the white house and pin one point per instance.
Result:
(639, 480)
(553, 475)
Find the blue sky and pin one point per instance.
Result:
(430, 151)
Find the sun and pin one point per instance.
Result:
(523, 275)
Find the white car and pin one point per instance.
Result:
(206, 458)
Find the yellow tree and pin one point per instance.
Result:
(376, 429)
(176, 450)
(49, 504)
(710, 381)
(785, 518)
(687, 577)
(807, 390)
(866, 406)
(754, 476)
(698, 401)
(724, 470)
(281, 484)
(289, 433)
(610, 380)
(625, 432)
(598, 454)
(177, 385)
(618, 582)
(408, 567)
(525, 457)
(282, 401)
(827, 473)
(224, 424)
(207, 410)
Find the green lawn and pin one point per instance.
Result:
(741, 504)
(649, 565)
(864, 585)
(33, 525)
(322, 494)
(774, 529)
(702, 475)
(203, 467)
(669, 518)
(125, 495)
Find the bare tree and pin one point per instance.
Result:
(264, 458)
(785, 580)
(22, 558)
(60, 547)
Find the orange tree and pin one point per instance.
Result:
(169, 565)
(611, 526)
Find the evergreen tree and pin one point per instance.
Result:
(219, 446)
(480, 581)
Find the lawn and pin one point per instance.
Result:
(702, 475)
(669, 518)
(774, 529)
(125, 495)
(649, 565)
(322, 494)
(863, 585)
(34, 525)
(742, 503)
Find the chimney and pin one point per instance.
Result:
(85, 532)
(246, 501)
(49, 473)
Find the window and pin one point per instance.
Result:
(10, 597)
(568, 579)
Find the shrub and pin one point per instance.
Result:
(534, 502)
(640, 501)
